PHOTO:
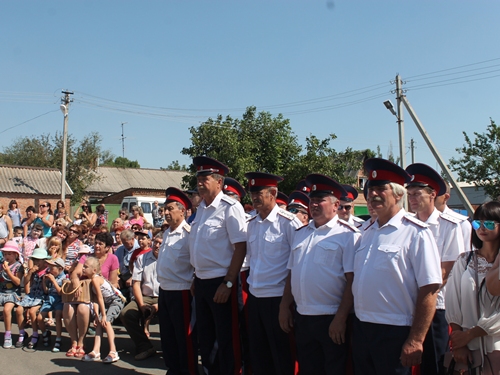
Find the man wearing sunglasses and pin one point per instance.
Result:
(298, 204)
(397, 274)
(346, 207)
(422, 190)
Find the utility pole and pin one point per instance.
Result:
(123, 141)
(65, 102)
(438, 157)
(412, 149)
(401, 126)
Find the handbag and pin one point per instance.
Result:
(455, 368)
(68, 294)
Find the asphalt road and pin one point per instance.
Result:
(41, 360)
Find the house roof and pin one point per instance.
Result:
(31, 180)
(113, 180)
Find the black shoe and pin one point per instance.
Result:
(31, 344)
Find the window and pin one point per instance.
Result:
(146, 207)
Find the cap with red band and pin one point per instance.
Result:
(205, 166)
(351, 195)
(281, 199)
(298, 198)
(324, 185)
(175, 195)
(233, 186)
(302, 186)
(424, 176)
(260, 180)
(381, 172)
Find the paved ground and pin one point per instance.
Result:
(43, 361)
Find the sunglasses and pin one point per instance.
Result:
(74, 231)
(295, 211)
(487, 224)
(345, 207)
(42, 205)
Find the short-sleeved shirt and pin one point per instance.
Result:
(465, 226)
(319, 260)
(110, 264)
(449, 239)
(51, 289)
(124, 256)
(72, 252)
(145, 272)
(391, 263)
(214, 231)
(174, 269)
(268, 251)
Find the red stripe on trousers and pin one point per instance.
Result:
(186, 305)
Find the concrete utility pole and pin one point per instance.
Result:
(65, 101)
(438, 157)
(401, 126)
(123, 140)
(412, 149)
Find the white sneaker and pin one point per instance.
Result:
(7, 343)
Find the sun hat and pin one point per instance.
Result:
(40, 253)
(11, 246)
(56, 262)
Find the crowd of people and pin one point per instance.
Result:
(287, 285)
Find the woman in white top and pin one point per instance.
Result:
(476, 328)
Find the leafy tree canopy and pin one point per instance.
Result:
(175, 166)
(121, 162)
(46, 151)
(479, 161)
(261, 142)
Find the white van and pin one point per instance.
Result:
(146, 203)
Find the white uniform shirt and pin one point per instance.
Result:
(391, 263)
(145, 272)
(268, 250)
(465, 225)
(318, 262)
(174, 269)
(449, 240)
(356, 221)
(214, 231)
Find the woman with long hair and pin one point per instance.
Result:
(45, 218)
(471, 310)
(85, 215)
(14, 213)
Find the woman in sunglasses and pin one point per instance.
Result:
(471, 310)
(83, 214)
(45, 218)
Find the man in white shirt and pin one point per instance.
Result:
(346, 206)
(321, 274)
(175, 275)
(397, 274)
(422, 190)
(269, 236)
(217, 247)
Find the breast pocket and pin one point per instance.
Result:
(386, 257)
(213, 229)
(273, 245)
(326, 254)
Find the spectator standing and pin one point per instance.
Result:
(14, 213)
(5, 227)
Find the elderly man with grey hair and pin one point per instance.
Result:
(124, 253)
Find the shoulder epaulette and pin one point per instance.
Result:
(251, 218)
(286, 214)
(301, 227)
(187, 227)
(358, 219)
(348, 225)
(229, 200)
(413, 219)
(451, 218)
(457, 215)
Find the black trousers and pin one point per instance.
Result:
(377, 348)
(435, 345)
(270, 346)
(317, 353)
(217, 325)
(177, 332)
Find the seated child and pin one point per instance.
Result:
(107, 307)
(33, 286)
(10, 290)
(52, 283)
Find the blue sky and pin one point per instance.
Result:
(164, 66)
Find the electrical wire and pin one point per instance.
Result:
(31, 119)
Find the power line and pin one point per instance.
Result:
(31, 119)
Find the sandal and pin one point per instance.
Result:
(71, 352)
(92, 357)
(33, 343)
(80, 352)
(57, 346)
(112, 357)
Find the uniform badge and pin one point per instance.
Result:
(252, 182)
(374, 174)
(313, 188)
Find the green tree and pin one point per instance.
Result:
(46, 151)
(175, 166)
(479, 161)
(261, 142)
(121, 162)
